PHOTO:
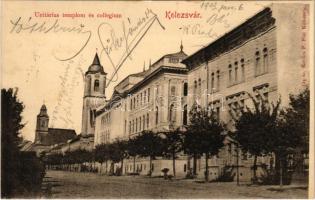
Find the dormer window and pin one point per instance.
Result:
(174, 60)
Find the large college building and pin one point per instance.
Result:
(263, 57)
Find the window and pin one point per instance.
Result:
(148, 120)
(185, 89)
(185, 167)
(141, 99)
(218, 80)
(212, 82)
(157, 90)
(236, 71)
(96, 85)
(136, 124)
(129, 127)
(43, 123)
(140, 122)
(156, 115)
(199, 83)
(145, 97)
(185, 115)
(173, 90)
(134, 102)
(230, 74)
(172, 114)
(265, 60)
(137, 101)
(125, 129)
(174, 60)
(257, 63)
(218, 112)
(242, 70)
(148, 94)
(133, 126)
(143, 122)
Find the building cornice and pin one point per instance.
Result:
(257, 24)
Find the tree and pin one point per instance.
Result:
(21, 172)
(117, 152)
(11, 124)
(255, 128)
(292, 132)
(150, 145)
(102, 154)
(133, 149)
(173, 144)
(204, 134)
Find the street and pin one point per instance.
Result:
(89, 185)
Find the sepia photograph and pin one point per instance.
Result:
(157, 99)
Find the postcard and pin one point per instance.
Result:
(157, 99)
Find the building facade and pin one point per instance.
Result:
(261, 57)
(253, 59)
(149, 100)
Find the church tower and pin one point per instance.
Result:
(41, 124)
(94, 95)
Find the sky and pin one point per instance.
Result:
(46, 57)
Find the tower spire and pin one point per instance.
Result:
(96, 60)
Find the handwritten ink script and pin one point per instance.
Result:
(216, 15)
(123, 41)
(69, 81)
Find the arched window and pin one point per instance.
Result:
(136, 124)
(140, 122)
(265, 60)
(199, 87)
(96, 85)
(195, 88)
(137, 101)
(145, 97)
(148, 120)
(173, 90)
(171, 114)
(230, 75)
(185, 115)
(236, 71)
(242, 69)
(257, 63)
(212, 82)
(43, 123)
(156, 115)
(218, 80)
(133, 126)
(148, 94)
(185, 89)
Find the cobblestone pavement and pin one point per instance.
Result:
(89, 185)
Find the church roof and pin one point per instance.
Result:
(58, 135)
(96, 66)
